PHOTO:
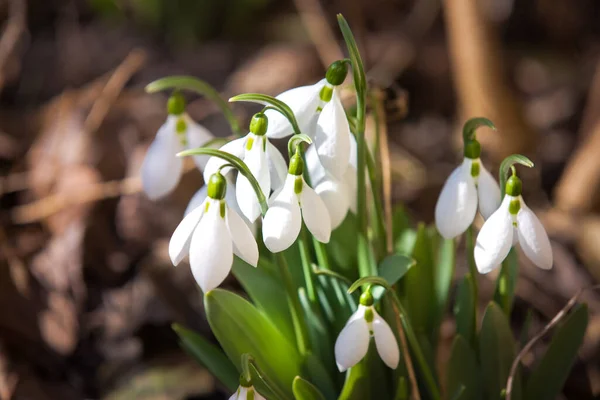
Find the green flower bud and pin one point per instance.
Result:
(176, 104)
(217, 186)
(514, 186)
(259, 124)
(472, 149)
(296, 165)
(336, 73)
(366, 299)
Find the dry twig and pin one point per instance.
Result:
(408, 360)
(15, 27)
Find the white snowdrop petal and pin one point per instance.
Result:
(161, 168)
(179, 244)
(235, 147)
(352, 344)
(533, 238)
(277, 167)
(315, 214)
(244, 244)
(353, 151)
(495, 239)
(332, 138)
(197, 136)
(197, 199)
(211, 250)
(258, 396)
(352, 186)
(234, 396)
(488, 192)
(283, 220)
(256, 160)
(303, 101)
(316, 171)
(457, 205)
(335, 196)
(385, 341)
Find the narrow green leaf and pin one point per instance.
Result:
(342, 239)
(548, 378)
(392, 269)
(210, 356)
(496, 350)
(304, 390)
(463, 371)
(400, 221)
(402, 391)
(356, 385)
(321, 343)
(316, 372)
(444, 273)
(464, 309)
(267, 293)
(196, 85)
(506, 283)
(240, 328)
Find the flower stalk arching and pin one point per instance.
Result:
(198, 86)
(509, 164)
(366, 265)
(271, 103)
(238, 164)
(249, 368)
(295, 141)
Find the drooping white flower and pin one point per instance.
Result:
(264, 161)
(161, 169)
(352, 344)
(295, 202)
(246, 393)
(470, 185)
(320, 115)
(339, 195)
(512, 223)
(211, 234)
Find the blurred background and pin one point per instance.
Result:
(87, 293)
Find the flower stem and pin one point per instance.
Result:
(294, 305)
(470, 247)
(306, 266)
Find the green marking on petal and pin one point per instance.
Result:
(369, 315)
(475, 167)
(222, 208)
(249, 143)
(298, 184)
(514, 207)
(326, 93)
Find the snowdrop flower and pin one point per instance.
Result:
(470, 185)
(212, 233)
(262, 158)
(295, 202)
(512, 223)
(352, 344)
(246, 393)
(320, 114)
(339, 195)
(161, 169)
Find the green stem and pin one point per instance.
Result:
(377, 196)
(200, 87)
(306, 266)
(294, 305)
(470, 247)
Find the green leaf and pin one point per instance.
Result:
(444, 273)
(400, 221)
(319, 335)
(267, 293)
(356, 385)
(196, 85)
(342, 239)
(463, 371)
(507, 282)
(405, 243)
(496, 350)
(392, 269)
(464, 309)
(314, 369)
(210, 356)
(240, 328)
(272, 102)
(548, 378)
(360, 81)
(304, 390)
(418, 285)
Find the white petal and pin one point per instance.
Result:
(533, 238)
(283, 220)
(335, 196)
(303, 101)
(179, 244)
(243, 393)
(353, 151)
(161, 168)
(197, 199)
(315, 170)
(332, 137)
(257, 396)
(385, 341)
(256, 160)
(315, 214)
(358, 314)
(197, 136)
(488, 192)
(235, 147)
(352, 344)
(495, 239)
(457, 205)
(352, 186)
(211, 250)
(277, 167)
(244, 244)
